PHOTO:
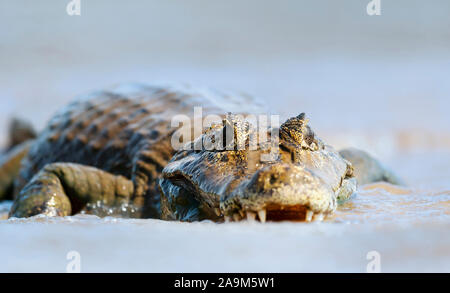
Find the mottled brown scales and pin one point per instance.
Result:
(111, 153)
(19, 132)
(305, 176)
(124, 131)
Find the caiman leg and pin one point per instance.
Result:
(9, 168)
(63, 189)
(367, 169)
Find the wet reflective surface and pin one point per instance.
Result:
(381, 85)
(408, 226)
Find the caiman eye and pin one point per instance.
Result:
(236, 132)
(228, 135)
(296, 131)
(309, 136)
(232, 135)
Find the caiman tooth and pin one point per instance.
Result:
(318, 217)
(236, 217)
(309, 215)
(262, 216)
(217, 211)
(227, 219)
(251, 216)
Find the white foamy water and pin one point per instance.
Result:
(377, 83)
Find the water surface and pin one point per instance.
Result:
(376, 83)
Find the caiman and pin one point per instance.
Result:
(112, 153)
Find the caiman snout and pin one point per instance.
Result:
(303, 181)
(280, 192)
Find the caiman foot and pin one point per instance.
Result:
(9, 168)
(63, 189)
(367, 169)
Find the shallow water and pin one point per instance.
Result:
(119, 245)
(407, 226)
(379, 84)
(377, 203)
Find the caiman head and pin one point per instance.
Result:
(234, 172)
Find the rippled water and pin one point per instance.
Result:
(377, 203)
(408, 227)
(382, 203)
(377, 83)
(412, 238)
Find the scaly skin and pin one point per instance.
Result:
(125, 131)
(46, 194)
(108, 153)
(19, 132)
(303, 182)
(10, 166)
(21, 135)
(368, 169)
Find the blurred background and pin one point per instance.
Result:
(380, 83)
(376, 82)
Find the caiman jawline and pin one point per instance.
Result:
(277, 213)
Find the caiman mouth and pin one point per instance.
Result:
(280, 192)
(277, 213)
